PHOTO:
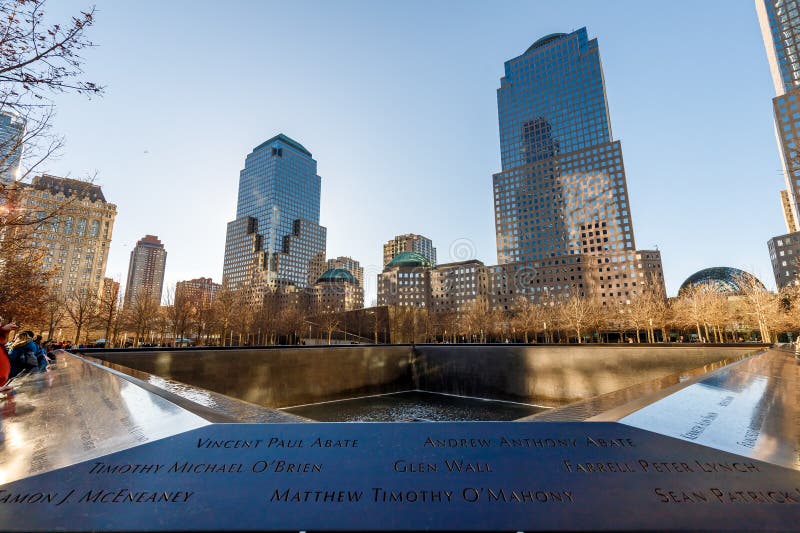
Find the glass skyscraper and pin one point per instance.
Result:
(780, 29)
(12, 132)
(561, 201)
(276, 239)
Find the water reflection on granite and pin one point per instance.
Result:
(194, 394)
(750, 408)
(414, 406)
(77, 412)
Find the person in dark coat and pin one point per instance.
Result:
(41, 354)
(23, 353)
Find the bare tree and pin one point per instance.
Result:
(268, 317)
(528, 317)
(81, 308)
(23, 285)
(449, 324)
(55, 310)
(478, 318)
(37, 60)
(142, 314)
(401, 319)
(328, 321)
(108, 312)
(637, 314)
(179, 310)
(226, 304)
(761, 305)
(293, 323)
(661, 311)
(646, 310)
(692, 308)
(576, 313)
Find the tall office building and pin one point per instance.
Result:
(12, 135)
(75, 234)
(276, 240)
(562, 214)
(409, 242)
(146, 270)
(780, 29)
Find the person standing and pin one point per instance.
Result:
(41, 354)
(5, 360)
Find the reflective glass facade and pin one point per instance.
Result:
(276, 239)
(562, 215)
(780, 28)
(562, 190)
(721, 279)
(12, 131)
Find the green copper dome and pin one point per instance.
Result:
(337, 275)
(409, 259)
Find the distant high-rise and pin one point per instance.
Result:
(352, 266)
(109, 292)
(276, 240)
(146, 270)
(12, 134)
(562, 213)
(199, 291)
(349, 264)
(409, 242)
(75, 235)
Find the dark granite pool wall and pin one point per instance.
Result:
(552, 375)
(555, 375)
(278, 377)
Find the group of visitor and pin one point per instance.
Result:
(26, 352)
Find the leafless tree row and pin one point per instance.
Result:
(699, 314)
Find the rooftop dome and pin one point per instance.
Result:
(545, 40)
(337, 275)
(409, 259)
(721, 279)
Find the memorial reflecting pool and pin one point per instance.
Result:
(414, 406)
(710, 423)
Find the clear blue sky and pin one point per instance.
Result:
(397, 102)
